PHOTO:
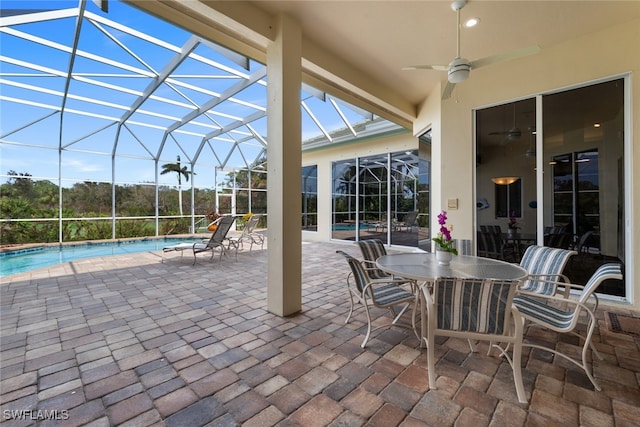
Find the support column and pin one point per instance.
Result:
(284, 154)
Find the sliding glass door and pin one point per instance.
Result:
(582, 176)
(583, 139)
(506, 205)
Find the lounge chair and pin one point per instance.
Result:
(408, 221)
(381, 226)
(248, 235)
(215, 242)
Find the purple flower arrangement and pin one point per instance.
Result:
(444, 242)
(513, 222)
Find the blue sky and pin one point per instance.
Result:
(119, 54)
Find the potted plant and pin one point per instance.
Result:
(513, 223)
(445, 248)
(212, 217)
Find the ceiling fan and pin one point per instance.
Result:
(531, 151)
(514, 133)
(459, 68)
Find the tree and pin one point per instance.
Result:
(181, 171)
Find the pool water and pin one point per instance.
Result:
(351, 226)
(13, 262)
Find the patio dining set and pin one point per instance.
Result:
(480, 299)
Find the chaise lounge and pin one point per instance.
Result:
(215, 242)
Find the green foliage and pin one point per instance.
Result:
(180, 171)
(241, 177)
(89, 230)
(17, 207)
(23, 198)
(131, 228)
(175, 226)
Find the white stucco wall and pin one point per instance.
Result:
(603, 55)
(324, 158)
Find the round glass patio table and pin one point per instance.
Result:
(424, 267)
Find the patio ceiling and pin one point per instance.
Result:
(124, 83)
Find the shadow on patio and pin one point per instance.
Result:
(127, 340)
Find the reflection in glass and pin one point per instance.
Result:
(505, 148)
(384, 197)
(583, 138)
(582, 175)
(310, 198)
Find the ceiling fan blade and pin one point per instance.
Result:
(426, 67)
(446, 93)
(512, 134)
(518, 53)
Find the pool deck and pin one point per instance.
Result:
(127, 340)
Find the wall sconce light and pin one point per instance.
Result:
(505, 180)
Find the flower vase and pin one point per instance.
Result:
(443, 257)
(512, 232)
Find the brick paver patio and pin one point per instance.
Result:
(128, 340)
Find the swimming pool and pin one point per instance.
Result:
(19, 261)
(352, 226)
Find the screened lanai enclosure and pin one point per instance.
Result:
(382, 197)
(117, 124)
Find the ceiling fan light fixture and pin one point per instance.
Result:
(459, 70)
(505, 180)
(471, 22)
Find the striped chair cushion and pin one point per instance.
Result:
(386, 295)
(546, 314)
(371, 251)
(359, 275)
(604, 272)
(562, 319)
(472, 305)
(382, 294)
(546, 261)
(463, 246)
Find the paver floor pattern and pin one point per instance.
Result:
(130, 341)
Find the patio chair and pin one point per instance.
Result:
(491, 229)
(589, 243)
(382, 224)
(545, 266)
(463, 246)
(381, 293)
(475, 310)
(215, 242)
(248, 235)
(371, 250)
(561, 315)
(492, 245)
(408, 221)
(558, 240)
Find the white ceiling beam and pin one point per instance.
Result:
(189, 46)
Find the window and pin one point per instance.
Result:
(509, 200)
(576, 191)
(584, 141)
(373, 195)
(310, 198)
(581, 202)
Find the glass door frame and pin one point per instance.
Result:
(630, 274)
